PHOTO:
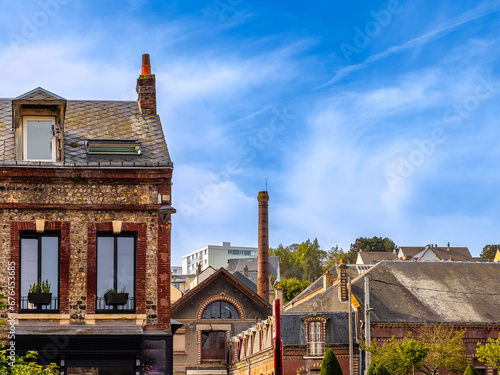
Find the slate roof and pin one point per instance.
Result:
(432, 292)
(222, 272)
(457, 253)
(372, 257)
(94, 119)
(317, 299)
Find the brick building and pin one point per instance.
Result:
(212, 312)
(85, 198)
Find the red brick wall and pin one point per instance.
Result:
(64, 228)
(140, 280)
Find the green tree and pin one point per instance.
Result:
(381, 370)
(398, 357)
(330, 365)
(490, 353)
(301, 261)
(334, 256)
(369, 244)
(292, 287)
(446, 349)
(311, 258)
(471, 370)
(489, 251)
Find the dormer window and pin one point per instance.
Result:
(38, 125)
(39, 141)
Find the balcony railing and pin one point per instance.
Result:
(27, 307)
(316, 349)
(102, 308)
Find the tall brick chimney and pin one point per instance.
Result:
(342, 277)
(263, 258)
(146, 88)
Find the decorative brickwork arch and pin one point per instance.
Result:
(228, 299)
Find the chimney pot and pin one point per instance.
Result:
(146, 88)
(245, 270)
(327, 280)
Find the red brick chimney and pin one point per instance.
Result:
(342, 277)
(146, 88)
(263, 258)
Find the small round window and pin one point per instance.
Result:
(220, 310)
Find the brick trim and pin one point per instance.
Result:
(229, 299)
(64, 228)
(140, 263)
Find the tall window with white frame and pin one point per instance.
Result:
(39, 271)
(316, 342)
(116, 272)
(38, 138)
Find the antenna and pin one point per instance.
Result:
(266, 183)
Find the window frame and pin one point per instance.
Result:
(220, 301)
(25, 137)
(113, 309)
(55, 304)
(316, 329)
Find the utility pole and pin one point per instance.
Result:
(367, 319)
(351, 348)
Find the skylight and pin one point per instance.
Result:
(113, 147)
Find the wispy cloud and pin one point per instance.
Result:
(441, 30)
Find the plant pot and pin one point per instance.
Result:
(40, 298)
(116, 298)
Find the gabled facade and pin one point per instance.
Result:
(81, 186)
(433, 252)
(211, 313)
(316, 319)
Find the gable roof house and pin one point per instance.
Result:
(405, 296)
(434, 253)
(211, 313)
(316, 319)
(85, 198)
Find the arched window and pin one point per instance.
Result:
(220, 310)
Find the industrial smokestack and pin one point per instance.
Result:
(263, 259)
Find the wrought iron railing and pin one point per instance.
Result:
(102, 307)
(27, 307)
(316, 349)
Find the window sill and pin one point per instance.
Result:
(319, 356)
(24, 317)
(137, 319)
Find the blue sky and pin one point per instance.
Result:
(366, 118)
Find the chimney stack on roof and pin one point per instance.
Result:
(146, 88)
(263, 256)
(245, 270)
(342, 278)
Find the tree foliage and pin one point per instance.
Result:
(446, 349)
(489, 251)
(13, 364)
(330, 365)
(433, 348)
(301, 261)
(369, 244)
(292, 287)
(471, 370)
(490, 353)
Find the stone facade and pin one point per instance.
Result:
(110, 178)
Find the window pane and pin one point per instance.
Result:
(39, 140)
(50, 263)
(29, 264)
(204, 340)
(126, 265)
(105, 265)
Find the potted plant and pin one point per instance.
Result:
(39, 293)
(114, 298)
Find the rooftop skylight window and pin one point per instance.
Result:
(113, 147)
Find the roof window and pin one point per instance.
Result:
(113, 147)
